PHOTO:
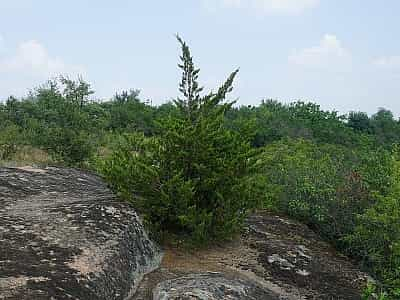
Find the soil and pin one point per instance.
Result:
(280, 255)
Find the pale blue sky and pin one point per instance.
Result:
(342, 54)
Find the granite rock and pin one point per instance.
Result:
(64, 235)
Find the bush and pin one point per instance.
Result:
(351, 197)
(319, 184)
(376, 238)
(10, 140)
(372, 292)
(376, 242)
(194, 178)
(67, 145)
(63, 123)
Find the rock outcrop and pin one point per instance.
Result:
(63, 235)
(211, 286)
(276, 257)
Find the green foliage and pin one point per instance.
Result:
(276, 121)
(350, 196)
(63, 129)
(385, 128)
(376, 241)
(128, 113)
(376, 238)
(193, 178)
(76, 92)
(371, 292)
(359, 121)
(67, 145)
(10, 140)
(316, 184)
(192, 166)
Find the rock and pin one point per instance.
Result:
(280, 256)
(63, 235)
(295, 258)
(211, 286)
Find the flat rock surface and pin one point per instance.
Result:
(282, 257)
(211, 286)
(63, 235)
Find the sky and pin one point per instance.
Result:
(341, 54)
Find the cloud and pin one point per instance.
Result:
(280, 7)
(29, 65)
(388, 62)
(32, 58)
(328, 54)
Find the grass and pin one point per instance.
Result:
(27, 156)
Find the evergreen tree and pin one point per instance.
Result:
(194, 178)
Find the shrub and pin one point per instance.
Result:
(10, 140)
(192, 179)
(351, 197)
(372, 292)
(62, 128)
(67, 145)
(376, 238)
(318, 184)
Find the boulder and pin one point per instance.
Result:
(211, 286)
(290, 255)
(64, 235)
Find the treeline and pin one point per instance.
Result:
(195, 166)
(61, 118)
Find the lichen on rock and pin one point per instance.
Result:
(64, 235)
(211, 286)
(276, 255)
